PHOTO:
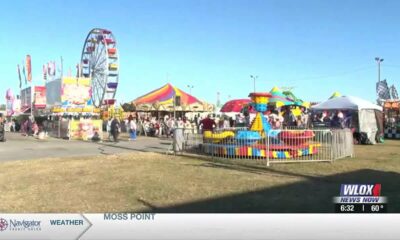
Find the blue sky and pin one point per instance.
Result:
(315, 46)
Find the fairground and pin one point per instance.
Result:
(76, 176)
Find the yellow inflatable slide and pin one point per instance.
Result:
(218, 137)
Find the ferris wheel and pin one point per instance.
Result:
(100, 62)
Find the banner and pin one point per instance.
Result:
(40, 97)
(136, 225)
(19, 76)
(9, 102)
(76, 91)
(86, 129)
(16, 106)
(29, 67)
(26, 98)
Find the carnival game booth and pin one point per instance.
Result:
(391, 109)
(70, 110)
(366, 117)
(168, 99)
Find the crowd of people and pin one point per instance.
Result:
(27, 126)
(333, 119)
(137, 125)
(164, 126)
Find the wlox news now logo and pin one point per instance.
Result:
(360, 189)
(360, 193)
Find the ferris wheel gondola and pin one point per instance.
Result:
(100, 62)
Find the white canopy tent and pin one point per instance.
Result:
(369, 114)
(346, 103)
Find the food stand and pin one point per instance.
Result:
(391, 109)
(70, 111)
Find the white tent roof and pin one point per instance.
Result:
(346, 103)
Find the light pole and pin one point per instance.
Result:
(190, 88)
(218, 100)
(379, 60)
(254, 81)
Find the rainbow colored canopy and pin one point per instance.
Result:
(162, 99)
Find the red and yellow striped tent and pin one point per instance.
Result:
(161, 99)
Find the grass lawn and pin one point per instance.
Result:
(149, 182)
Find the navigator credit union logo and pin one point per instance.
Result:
(3, 224)
(19, 225)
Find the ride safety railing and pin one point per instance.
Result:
(274, 146)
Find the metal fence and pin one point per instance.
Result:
(278, 146)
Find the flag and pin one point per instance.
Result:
(53, 68)
(382, 90)
(23, 71)
(44, 73)
(19, 76)
(29, 67)
(393, 92)
(61, 70)
(78, 70)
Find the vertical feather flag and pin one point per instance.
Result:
(29, 67)
(53, 63)
(23, 71)
(393, 92)
(44, 73)
(382, 90)
(19, 76)
(78, 70)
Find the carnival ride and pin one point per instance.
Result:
(260, 140)
(100, 62)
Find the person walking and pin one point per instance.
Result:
(109, 129)
(132, 129)
(2, 131)
(207, 124)
(45, 125)
(115, 129)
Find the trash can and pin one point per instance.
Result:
(178, 140)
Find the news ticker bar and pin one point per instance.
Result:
(198, 226)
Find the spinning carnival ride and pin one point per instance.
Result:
(100, 62)
(260, 140)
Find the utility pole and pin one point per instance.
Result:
(62, 63)
(190, 88)
(218, 101)
(379, 60)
